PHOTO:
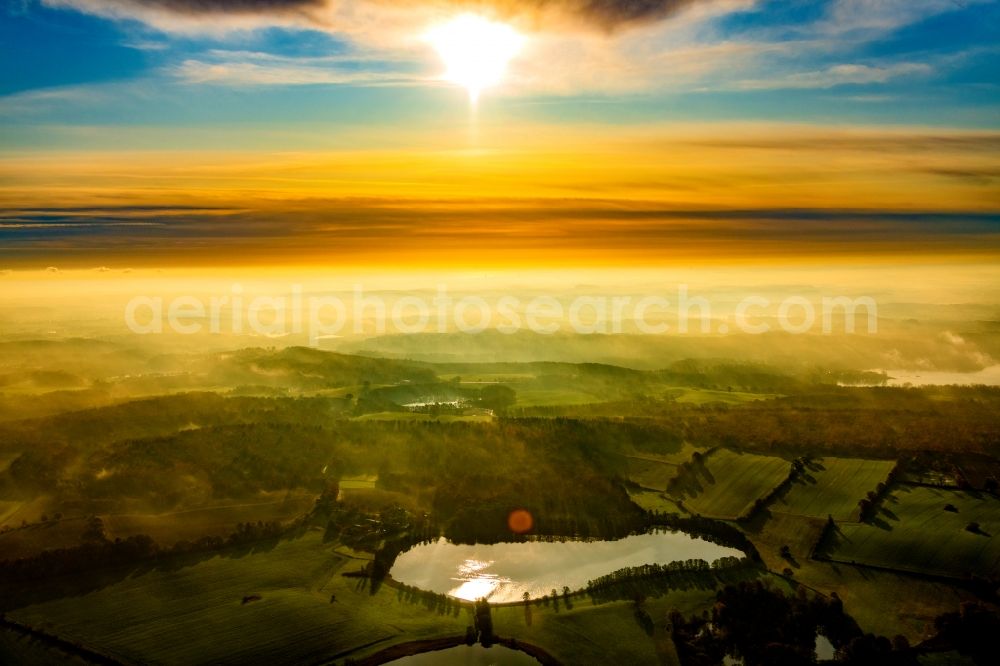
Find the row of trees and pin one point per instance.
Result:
(796, 470)
(879, 423)
(868, 505)
(656, 579)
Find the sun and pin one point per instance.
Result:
(475, 51)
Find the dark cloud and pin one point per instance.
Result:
(604, 14)
(405, 229)
(598, 14)
(226, 6)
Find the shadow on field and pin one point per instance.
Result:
(815, 465)
(29, 591)
(882, 524)
(435, 603)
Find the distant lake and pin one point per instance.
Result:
(503, 572)
(989, 376)
(469, 655)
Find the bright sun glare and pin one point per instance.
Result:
(475, 51)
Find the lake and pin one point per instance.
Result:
(989, 376)
(503, 572)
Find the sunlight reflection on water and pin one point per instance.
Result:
(475, 581)
(505, 571)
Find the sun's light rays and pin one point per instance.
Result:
(475, 51)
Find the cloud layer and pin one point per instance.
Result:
(342, 15)
(709, 195)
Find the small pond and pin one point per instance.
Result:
(503, 572)
(824, 648)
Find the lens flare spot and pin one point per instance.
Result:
(520, 521)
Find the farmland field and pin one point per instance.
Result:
(421, 416)
(28, 540)
(650, 500)
(164, 528)
(17, 648)
(538, 397)
(8, 509)
(682, 454)
(580, 632)
(651, 474)
(194, 614)
(361, 482)
(913, 532)
(884, 602)
(655, 470)
(167, 528)
(832, 486)
(728, 483)
(488, 377)
(702, 396)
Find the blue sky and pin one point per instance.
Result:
(90, 63)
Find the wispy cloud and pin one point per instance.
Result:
(838, 75)
(882, 16)
(281, 73)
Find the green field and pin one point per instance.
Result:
(653, 501)
(221, 520)
(728, 483)
(193, 614)
(651, 474)
(421, 416)
(584, 633)
(488, 377)
(361, 482)
(681, 455)
(16, 648)
(8, 509)
(833, 486)
(913, 532)
(700, 396)
(166, 528)
(655, 470)
(36, 537)
(553, 397)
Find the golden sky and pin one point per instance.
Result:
(535, 194)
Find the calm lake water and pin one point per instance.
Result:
(989, 376)
(469, 655)
(505, 571)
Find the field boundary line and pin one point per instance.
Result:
(73, 647)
